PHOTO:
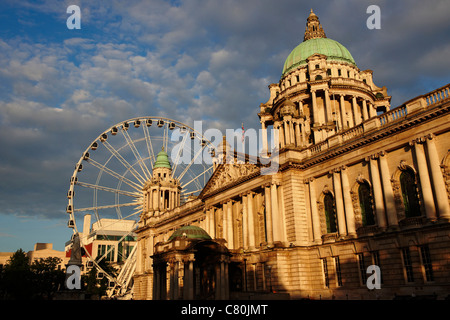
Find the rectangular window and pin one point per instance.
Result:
(339, 72)
(362, 269)
(376, 261)
(407, 264)
(338, 271)
(426, 263)
(325, 272)
(329, 72)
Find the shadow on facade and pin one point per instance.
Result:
(202, 269)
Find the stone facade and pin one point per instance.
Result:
(358, 184)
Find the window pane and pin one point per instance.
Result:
(329, 213)
(365, 203)
(409, 193)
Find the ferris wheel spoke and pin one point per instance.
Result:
(148, 141)
(196, 178)
(190, 163)
(125, 163)
(129, 204)
(116, 191)
(177, 159)
(136, 154)
(116, 175)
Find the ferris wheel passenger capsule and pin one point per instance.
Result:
(160, 123)
(137, 123)
(114, 131)
(192, 135)
(86, 156)
(126, 126)
(90, 264)
(94, 146)
(172, 125)
(149, 122)
(80, 167)
(71, 224)
(103, 137)
(70, 194)
(69, 209)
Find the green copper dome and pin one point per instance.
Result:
(190, 232)
(328, 47)
(162, 160)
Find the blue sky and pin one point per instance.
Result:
(187, 60)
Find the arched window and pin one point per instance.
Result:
(365, 203)
(409, 193)
(328, 203)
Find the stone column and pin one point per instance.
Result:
(150, 199)
(287, 133)
(291, 130)
(276, 223)
(317, 234)
(225, 221)
(245, 219)
(391, 211)
(438, 180)
(251, 221)
(424, 176)
(230, 224)
(212, 225)
(372, 110)
(281, 135)
(264, 138)
(339, 203)
(343, 113)
(356, 114)
(191, 279)
(176, 292)
(377, 191)
(364, 107)
(298, 139)
(329, 114)
(349, 214)
(303, 133)
(314, 107)
(268, 207)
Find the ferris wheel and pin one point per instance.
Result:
(108, 185)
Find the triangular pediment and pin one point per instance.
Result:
(227, 175)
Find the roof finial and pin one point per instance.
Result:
(313, 27)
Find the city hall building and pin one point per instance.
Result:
(359, 183)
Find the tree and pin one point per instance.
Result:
(47, 279)
(17, 277)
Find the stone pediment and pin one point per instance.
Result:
(227, 175)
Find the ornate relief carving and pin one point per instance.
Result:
(230, 173)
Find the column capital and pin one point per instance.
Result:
(335, 170)
(430, 136)
(308, 180)
(343, 168)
